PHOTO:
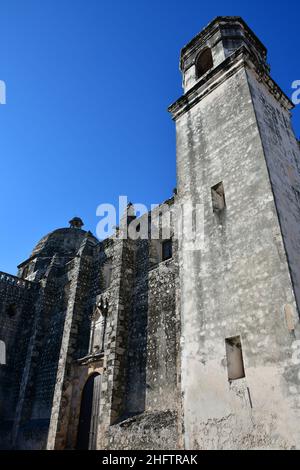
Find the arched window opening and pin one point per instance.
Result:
(2, 353)
(89, 414)
(204, 62)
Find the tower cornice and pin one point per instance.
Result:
(216, 25)
(241, 58)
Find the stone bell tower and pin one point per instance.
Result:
(240, 293)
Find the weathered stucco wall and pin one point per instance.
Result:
(238, 284)
(281, 150)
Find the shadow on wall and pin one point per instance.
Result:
(135, 387)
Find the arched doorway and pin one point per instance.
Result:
(89, 412)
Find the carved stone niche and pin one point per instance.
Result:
(98, 328)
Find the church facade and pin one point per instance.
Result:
(168, 343)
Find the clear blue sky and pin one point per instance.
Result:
(88, 85)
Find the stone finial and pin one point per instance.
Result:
(76, 222)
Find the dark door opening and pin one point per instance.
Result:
(89, 412)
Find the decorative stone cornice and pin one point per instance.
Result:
(96, 357)
(242, 57)
(216, 25)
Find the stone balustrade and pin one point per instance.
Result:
(16, 281)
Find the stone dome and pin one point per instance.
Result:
(62, 241)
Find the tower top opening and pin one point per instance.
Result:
(217, 41)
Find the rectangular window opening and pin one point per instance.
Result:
(167, 250)
(218, 197)
(235, 362)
